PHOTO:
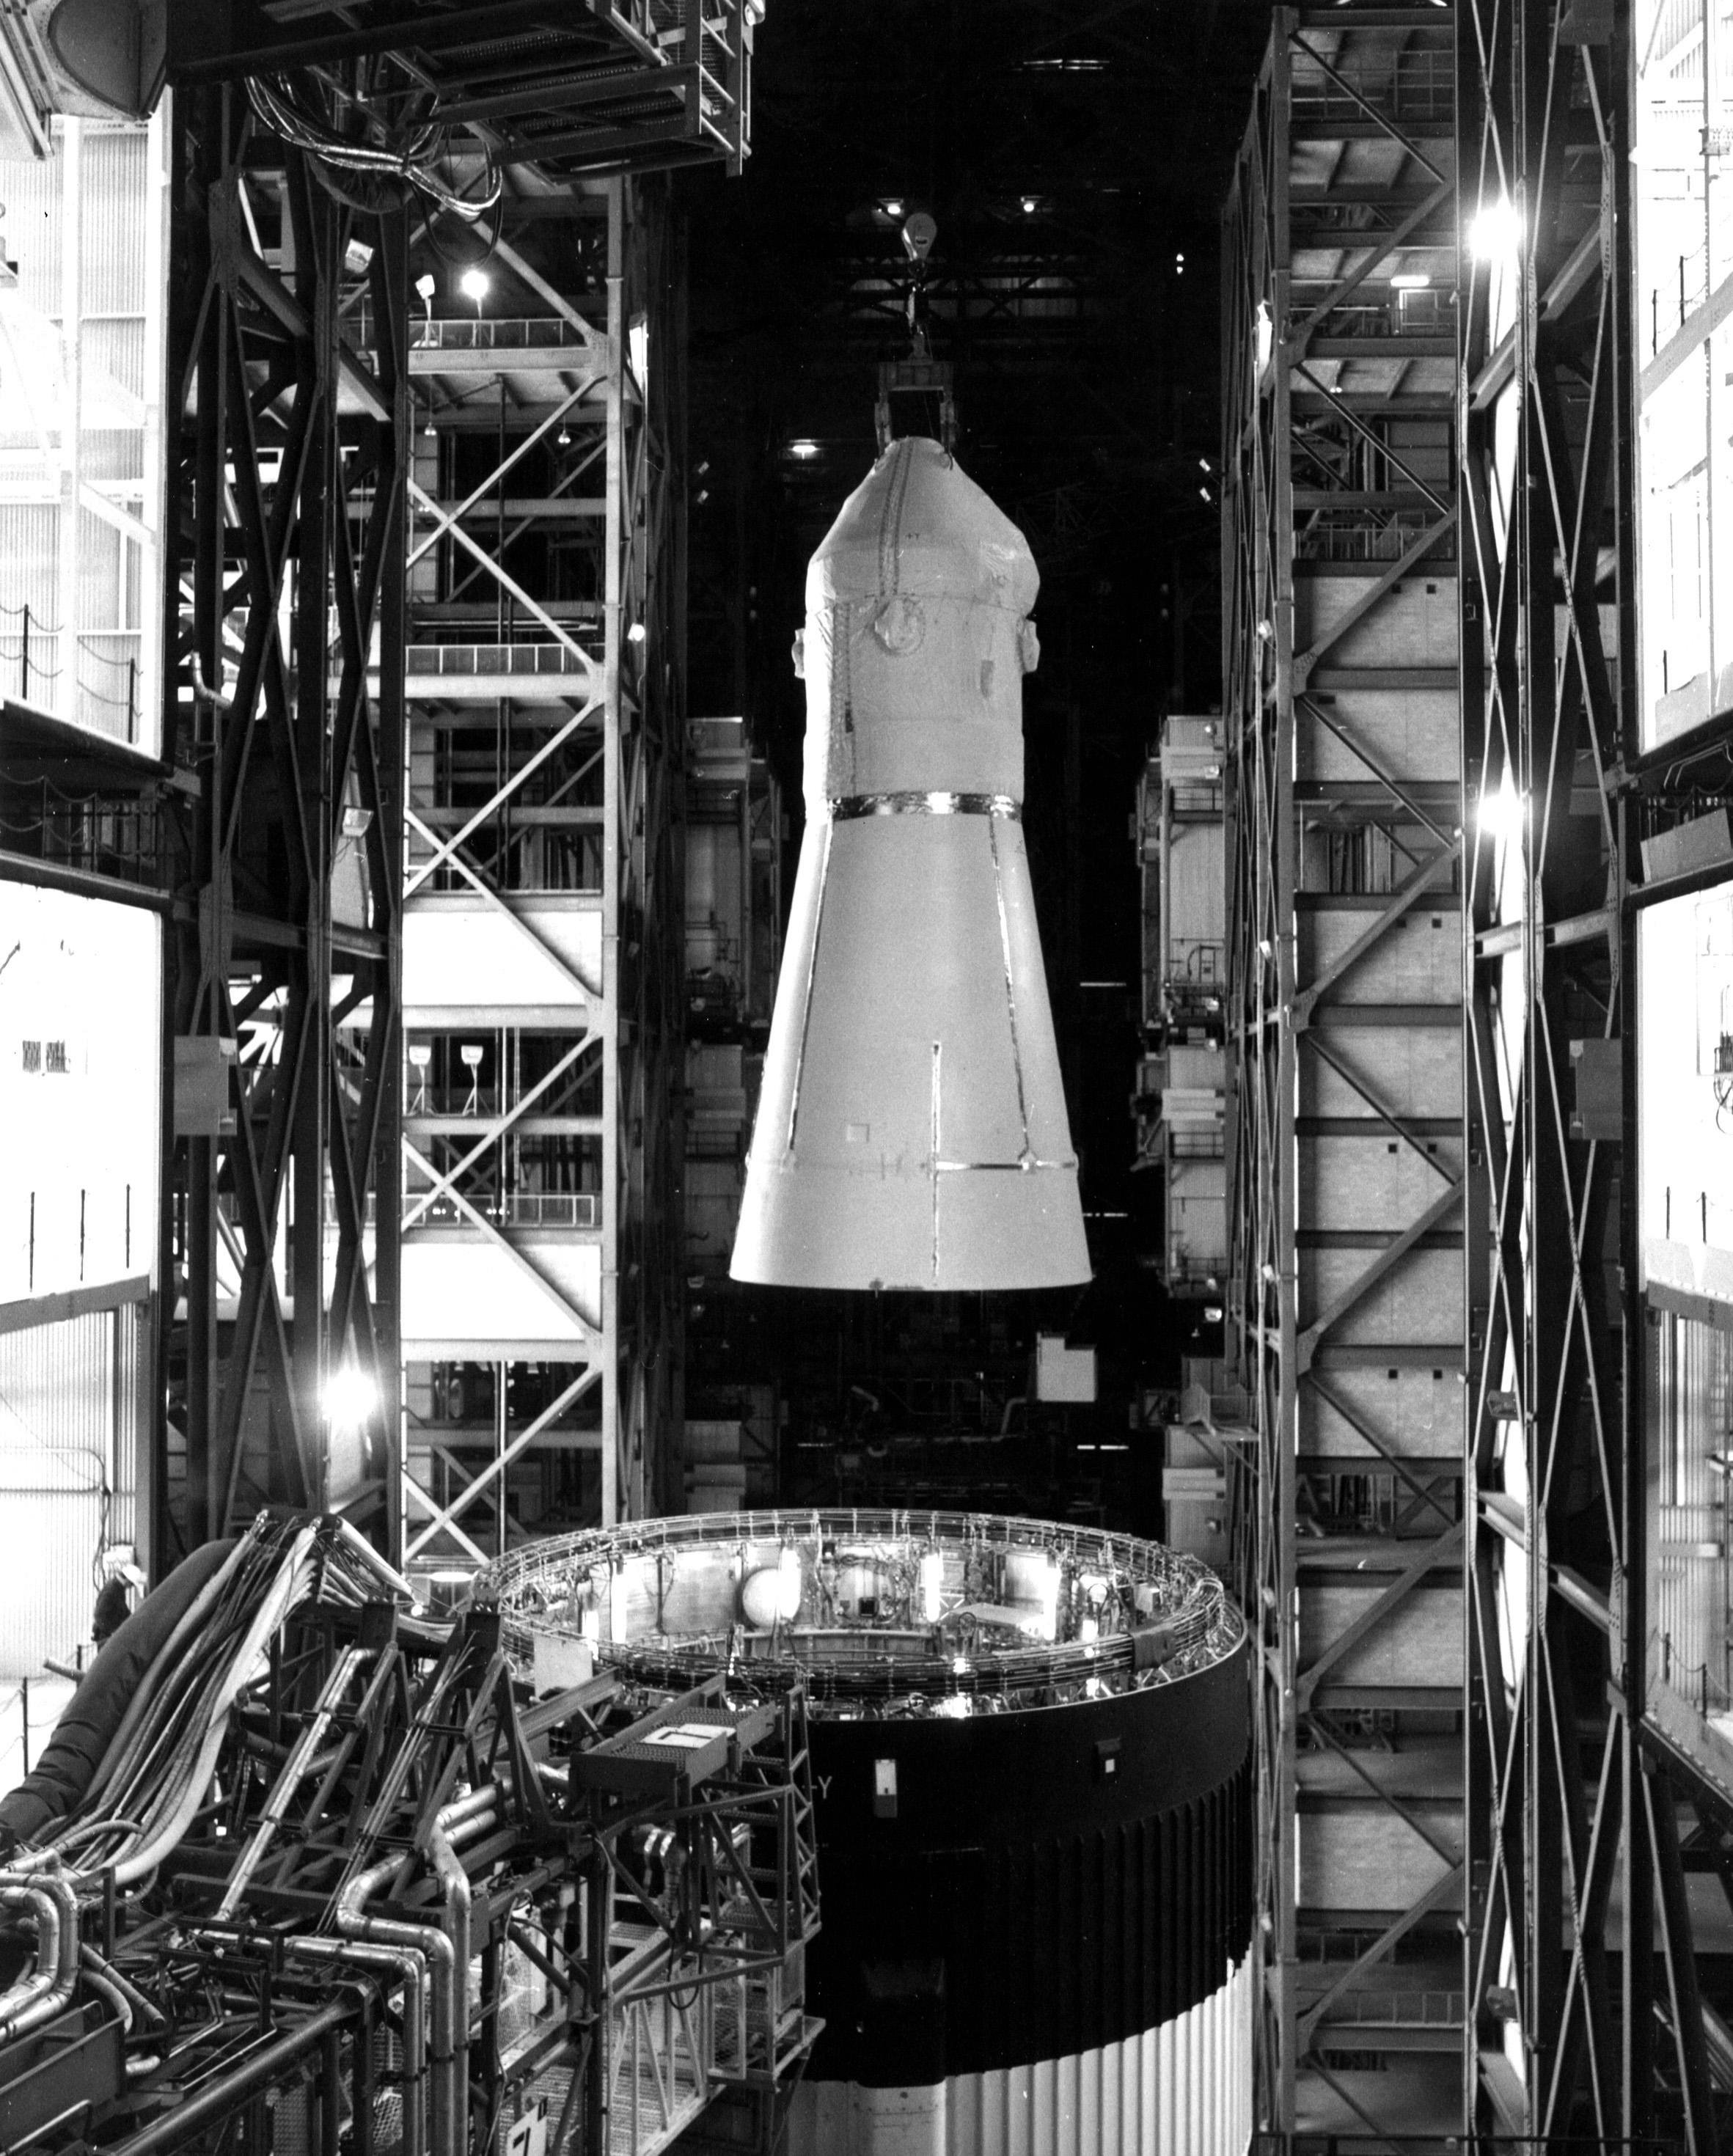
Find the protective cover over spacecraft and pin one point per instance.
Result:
(912, 1130)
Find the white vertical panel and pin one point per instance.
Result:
(79, 1079)
(67, 1461)
(88, 583)
(1183, 2089)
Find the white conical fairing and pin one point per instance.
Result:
(912, 1130)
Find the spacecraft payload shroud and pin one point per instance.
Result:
(912, 1129)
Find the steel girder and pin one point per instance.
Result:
(592, 720)
(1579, 2018)
(644, 867)
(1345, 1180)
(576, 91)
(281, 1230)
(502, 1219)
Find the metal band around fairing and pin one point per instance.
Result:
(852, 806)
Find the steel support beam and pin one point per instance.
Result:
(1346, 1202)
(1578, 2023)
(285, 539)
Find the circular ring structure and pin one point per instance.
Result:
(850, 807)
(880, 1614)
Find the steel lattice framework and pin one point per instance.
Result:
(645, 1258)
(291, 431)
(1592, 1790)
(1573, 1793)
(544, 909)
(1345, 1173)
(277, 583)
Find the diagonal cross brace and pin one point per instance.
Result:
(496, 1468)
(531, 1271)
(1391, 1936)
(1406, 895)
(494, 1129)
(445, 848)
(1432, 1555)
(1386, 1261)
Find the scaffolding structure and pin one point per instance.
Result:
(1598, 1780)
(309, 911)
(287, 451)
(1461, 695)
(1344, 1030)
(543, 932)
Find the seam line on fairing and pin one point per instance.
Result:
(1010, 996)
(818, 929)
(937, 1053)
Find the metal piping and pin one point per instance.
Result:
(226, 2092)
(467, 1813)
(49, 1988)
(101, 1982)
(101, 1973)
(455, 1883)
(435, 1944)
(409, 1965)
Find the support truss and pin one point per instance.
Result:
(1346, 1169)
(1581, 1763)
(285, 535)
(543, 913)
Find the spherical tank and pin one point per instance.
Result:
(1031, 1776)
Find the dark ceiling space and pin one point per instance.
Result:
(1074, 158)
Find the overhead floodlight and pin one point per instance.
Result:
(634, 634)
(1409, 280)
(891, 205)
(804, 450)
(475, 284)
(1030, 204)
(1495, 235)
(349, 1397)
(1503, 814)
(1265, 334)
(918, 233)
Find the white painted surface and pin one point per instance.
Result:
(912, 1128)
(1685, 978)
(540, 957)
(458, 1287)
(1183, 2089)
(80, 1075)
